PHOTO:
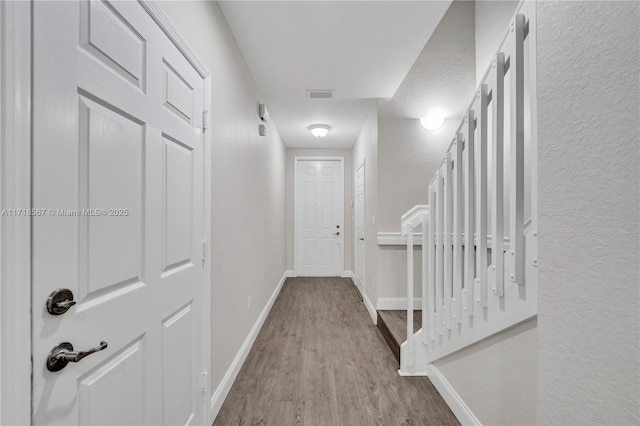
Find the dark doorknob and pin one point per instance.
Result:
(63, 354)
(60, 301)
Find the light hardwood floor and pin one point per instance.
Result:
(319, 360)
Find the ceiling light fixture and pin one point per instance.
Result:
(319, 130)
(432, 121)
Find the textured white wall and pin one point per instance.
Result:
(490, 30)
(589, 139)
(348, 196)
(248, 241)
(365, 150)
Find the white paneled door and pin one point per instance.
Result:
(359, 228)
(319, 217)
(118, 176)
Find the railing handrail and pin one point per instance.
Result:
(476, 283)
(413, 217)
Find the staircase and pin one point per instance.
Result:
(479, 261)
(392, 326)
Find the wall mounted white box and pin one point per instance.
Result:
(263, 113)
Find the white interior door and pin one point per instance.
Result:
(319, 217)
(359, 228)
(118, 173)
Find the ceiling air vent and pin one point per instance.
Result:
(320, 94)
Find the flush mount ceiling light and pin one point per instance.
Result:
(319, 130)
(432, 121)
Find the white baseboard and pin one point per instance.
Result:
(455, 402)
(365, 299)
(348, 274)
(291, 273)
(232, 373)
(353, 278)
(370, 308)
(397, 303)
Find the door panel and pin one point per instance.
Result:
(124, 371)
(110, 251)
(111, 39)
(177, 209)
(177, 405)
(319, 217)
(118, 166)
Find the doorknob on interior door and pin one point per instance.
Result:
(336, 233)
(63, 354)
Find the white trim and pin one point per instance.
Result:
(352, 276)
(232, 373)
(372, 310)
(290, 273)
(455, 402)
(365, 299)
(397, 303)
(397, 239)
(362, 287)
(15, 232)
(296, 160)
(207, 237)
(348, 274)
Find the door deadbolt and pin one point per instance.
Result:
(60, 301)
(63, 354)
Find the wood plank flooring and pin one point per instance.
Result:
(397, 322)
(393, 327)
(319, 360)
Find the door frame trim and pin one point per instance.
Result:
(15, 232)
(15, 193)
(355, 231)
(296, 160)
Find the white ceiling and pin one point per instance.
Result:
(361, 49)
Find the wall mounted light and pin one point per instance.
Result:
(319, 130)
(432, 121)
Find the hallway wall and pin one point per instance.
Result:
(589, 199)
(348, 196)
(248, 184)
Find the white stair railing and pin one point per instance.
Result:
(411, 220)
(479, 272)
